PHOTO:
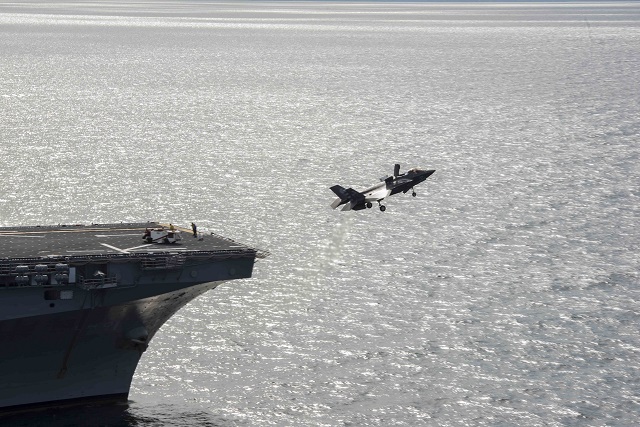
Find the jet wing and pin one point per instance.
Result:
(375, 193)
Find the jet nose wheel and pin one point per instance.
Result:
(414, 194)
(383, 208)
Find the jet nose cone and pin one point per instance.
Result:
(428, 173)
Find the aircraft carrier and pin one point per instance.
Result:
(80, 303)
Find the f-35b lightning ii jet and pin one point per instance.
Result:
(356, 200)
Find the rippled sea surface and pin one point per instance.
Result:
(505, 294)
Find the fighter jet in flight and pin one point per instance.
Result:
(356, 200)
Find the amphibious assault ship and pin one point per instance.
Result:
(80, 303)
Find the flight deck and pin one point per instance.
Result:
(107, 240)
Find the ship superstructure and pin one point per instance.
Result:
(80, 303)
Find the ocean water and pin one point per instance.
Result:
(505, 294)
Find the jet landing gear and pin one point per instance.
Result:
(369, 205)
(413, 192)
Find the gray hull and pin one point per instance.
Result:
(85, 354)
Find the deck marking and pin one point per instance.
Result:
(157, 249)
(138, 247)
(124, 251)
(116, 235)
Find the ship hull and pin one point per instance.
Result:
(86, 355)
(81, 304)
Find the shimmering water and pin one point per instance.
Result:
(506, 293)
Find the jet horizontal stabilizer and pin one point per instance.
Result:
(337, 202)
